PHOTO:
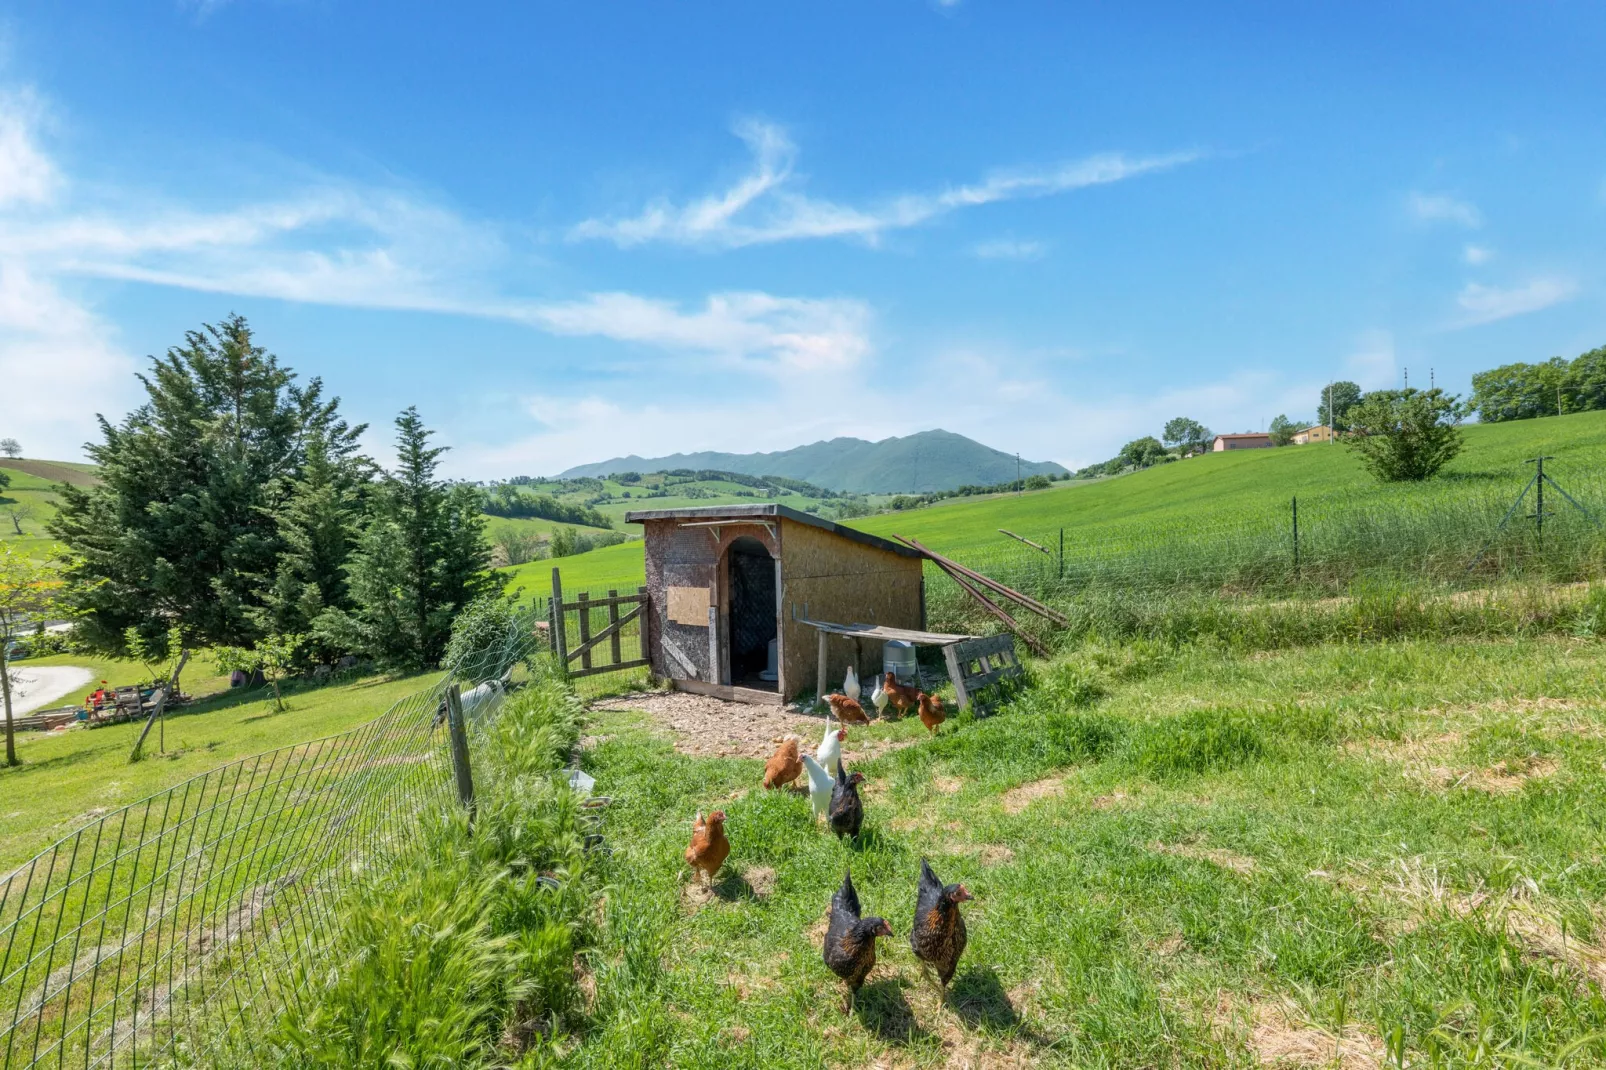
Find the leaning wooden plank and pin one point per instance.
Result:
(992, 607)
(950, 566)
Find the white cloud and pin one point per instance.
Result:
(1477, 254)
(1486, 304)
(26, 174)
(783, 333)
(1441, 208)
(764, 206)
(1009, 249)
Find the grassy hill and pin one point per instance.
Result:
(930, 460)
(1219, 488)
(30, 501)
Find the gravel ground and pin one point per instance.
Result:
(712, 728)
(39, 687)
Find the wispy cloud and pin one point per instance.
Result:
(1442, 208)
(1477, 254)
(1486, 304)
(1009, 249)
(786, 334)
(26, 174)
(764, 205)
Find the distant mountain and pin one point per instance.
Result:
(930, 460)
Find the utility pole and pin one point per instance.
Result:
(1431, 385)
(1407, 378)
(1019, 486)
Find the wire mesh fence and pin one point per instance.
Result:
(154, 933)
(1458, 534)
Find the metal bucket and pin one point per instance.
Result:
(898, 658)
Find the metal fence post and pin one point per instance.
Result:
(459, 734)
(1296, 538)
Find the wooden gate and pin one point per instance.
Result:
(576, 637)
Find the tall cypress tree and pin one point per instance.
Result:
(184, 523)
(422, 557)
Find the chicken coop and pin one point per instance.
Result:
(733, 591)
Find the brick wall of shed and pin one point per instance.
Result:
(845, 582)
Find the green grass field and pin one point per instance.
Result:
(30, 502)
(621, 567)
(1180, 857)
(1215, 489)
(69, 777)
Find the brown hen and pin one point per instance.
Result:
(784, 765)
(931, 712)
(901, 698)
(846, 710)
(708, 848)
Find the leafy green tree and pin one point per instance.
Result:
(30, 592)
(274, 656)
(1141, 452)
(318, 525)
(181, 529)
(1038, 482)
(1406, 434)
(1191, 435)
(1344, 396)
(1283, 430)
(1584, 385)
(1519, 391)
(421, 558)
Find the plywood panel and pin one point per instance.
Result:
(688, 605)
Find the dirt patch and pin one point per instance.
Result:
(948, 785)
(996, 854)
(1279, 1037)
(1216, 856)
(1017, 799)
(761, 879)
(706, 727)
(1427, 762)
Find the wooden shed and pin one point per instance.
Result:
(724, 580)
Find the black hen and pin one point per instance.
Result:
(846, 812)
(938, 935)
(849, 939)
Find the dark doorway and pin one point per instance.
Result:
(752, 612)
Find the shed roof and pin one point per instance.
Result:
(769, 511)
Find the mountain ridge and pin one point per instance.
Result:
(924, 461)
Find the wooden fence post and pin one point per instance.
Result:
(459, 736)
(560, 626)
(584, 601)
(613, 622)
(641, 623)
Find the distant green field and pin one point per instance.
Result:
(1203, 491)
(32, 498)
(621, 567)
(1224, 486)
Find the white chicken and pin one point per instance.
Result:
(830, 753)
(879, 697)
(850, 684)
(821, 784)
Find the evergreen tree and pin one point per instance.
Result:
(183, 526)
(421, 558)
(1344, 396)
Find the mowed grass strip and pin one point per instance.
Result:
(69, 778)
(1180, 857)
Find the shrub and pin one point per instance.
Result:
(486, 639)
(1405, 434)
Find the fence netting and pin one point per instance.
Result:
(158, 932)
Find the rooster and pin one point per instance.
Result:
(850, 940)
(821, 785)
(903, 699)
(931, 713)
(846, 812)
(846, 710)
(708, 848)
(783, 766)
(938, 935)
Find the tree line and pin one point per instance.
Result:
(236, 510)
(1551, 388)
(507, 500)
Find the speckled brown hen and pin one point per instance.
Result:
(708, 848)
(938, 935)
(850, 940)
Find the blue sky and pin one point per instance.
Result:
(567, 232)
